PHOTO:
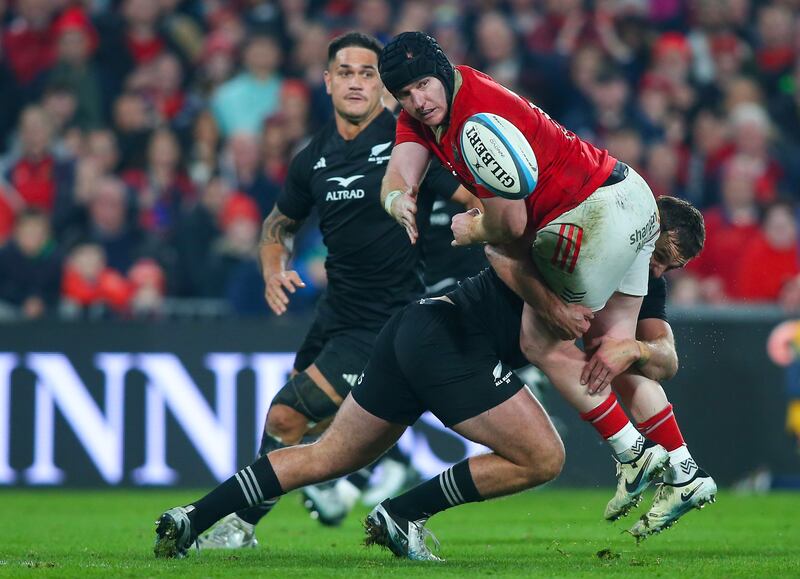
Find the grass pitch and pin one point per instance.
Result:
(550, 533)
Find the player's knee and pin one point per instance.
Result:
(542, 467)
(286, 425)
(532, 349)
(552, 464)
(296, 407)
(550, 355)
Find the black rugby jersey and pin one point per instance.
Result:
(372, 268)
(486, 298)
(446, 265)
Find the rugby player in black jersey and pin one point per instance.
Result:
(453, 356)
(446, 265)
(372, 268)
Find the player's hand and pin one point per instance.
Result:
(461, 225)
(566, 321)
(404, 210)
(277, 284)
(611, 358)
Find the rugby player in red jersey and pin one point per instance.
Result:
(591, 226)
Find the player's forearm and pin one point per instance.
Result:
(392, 182)
(406, 168)
(277, 241)
(484, 229)
(657, 359)
(502, 222)
(518, 272)
(391, 189)
(273, 258)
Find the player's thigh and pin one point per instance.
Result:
(517, 429)
(357, 432)
(341, 361)
(311, 347)
(314, 395)
(586, 254)
(544, 349)
(617, 319)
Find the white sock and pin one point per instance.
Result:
(348, 492)
(627, 443)
(681, 466)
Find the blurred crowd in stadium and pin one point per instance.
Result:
(142, 142)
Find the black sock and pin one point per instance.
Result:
(451, 488)
(254, 514)
(360, 478)
(249, 487)
(398, 455)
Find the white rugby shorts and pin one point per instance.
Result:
(601, 246)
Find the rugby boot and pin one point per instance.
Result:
(231, 532)
(174, 534)
(672, 501)
(402, 537)
(634, 477)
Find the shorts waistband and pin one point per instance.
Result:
(618, 174)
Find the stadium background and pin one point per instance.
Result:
(143, 141)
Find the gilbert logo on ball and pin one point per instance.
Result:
(499, 156)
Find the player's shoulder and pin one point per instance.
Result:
(381, 130)
(654, 305)
(657, 286)
(479, 92)
(469, 74)
(314, 151)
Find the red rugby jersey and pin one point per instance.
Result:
(569, 169)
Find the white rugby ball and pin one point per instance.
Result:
(499, 156)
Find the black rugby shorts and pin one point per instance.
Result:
(430, 356)
(340, 356)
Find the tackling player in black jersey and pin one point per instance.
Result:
(372, 268)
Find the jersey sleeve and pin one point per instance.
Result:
(654, 304)
(409, 131)
(295, 200)
(482, 192)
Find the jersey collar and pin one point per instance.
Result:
(440, 130)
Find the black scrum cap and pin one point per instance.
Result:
(411, 56)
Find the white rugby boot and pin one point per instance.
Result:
(230, 533)
(633, 478)
(402, 537)
(672, 501)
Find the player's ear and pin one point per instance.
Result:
(327, 78)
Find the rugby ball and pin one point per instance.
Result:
(499, 156)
